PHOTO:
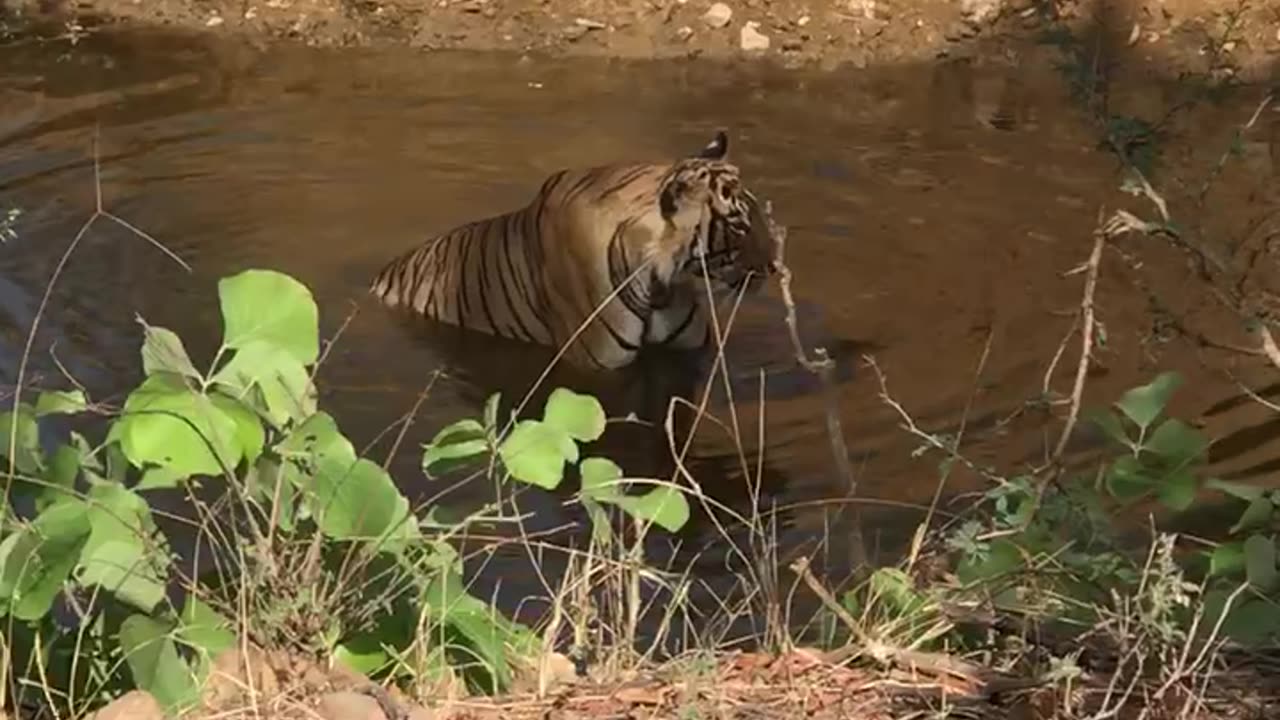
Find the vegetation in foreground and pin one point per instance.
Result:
(312, 550)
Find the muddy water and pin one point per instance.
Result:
(934, 212)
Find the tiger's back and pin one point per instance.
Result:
(596, 260)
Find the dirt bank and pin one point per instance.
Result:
(1237, 35)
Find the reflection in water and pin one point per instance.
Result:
(932, 211)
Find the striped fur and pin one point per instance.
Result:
(629, 240)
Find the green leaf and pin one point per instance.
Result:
(271, 307)
(36, 560)
(1144, 404)
(580, 416)
(167, 424)
(363, 653)
(155, 664)
(535, 452)
(163, 352)
(1177, 443)
(250, 436)
(204, 630)
(1127, 479)
(894, 589)
(1252, 622)
(64, 468)
(491, 637)
(285, 387)
(20, 428)
(1260, 562)
(351, 498)
(1237, 490)
(663, 505)
(1110, 425)
(159, 478)
(1227, 559)
(61, 402)
(1178, 490)
(600, 478)
(454, 445)
(125, 554)
(1256, 515)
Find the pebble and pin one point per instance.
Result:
(684, 33)
(751, 39)
(718, 16)
(214, 21)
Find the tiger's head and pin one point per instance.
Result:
(736, 242)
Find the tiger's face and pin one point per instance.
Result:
(739, 244)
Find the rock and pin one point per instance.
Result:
(684, 33)
(349, 706)
(134, 705)
(980, 11)
(718, 16)
(752, 40)
(230, 683)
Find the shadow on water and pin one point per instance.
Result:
(933, 211)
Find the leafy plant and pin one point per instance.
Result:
(376, 586)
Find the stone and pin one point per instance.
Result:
(752, 40)
(134, 705)
(230, 683)
(349, 706)
(718, 16)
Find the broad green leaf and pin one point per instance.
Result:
(351, 498)
(125, 554)
(154, 662)
(581, 416)
(455, 444)
(61, 402)
(163, 352)
(1144, 403)
(1178, 490)
(20, 430)
(1251, 621)
(359, 501)
(250, 437)
(36, 560)
(1177, 443)
(1256, 515)
(1110, 425)
(363, 653)
(491, 637)
(167, 424)
(535, 453)
(1260, 562)
(205, 630)
(663, 505)
(159, 478)
(600, 478)
(267, 482)
(287, 392)
(1002, 556)
(1237, 490)
(270, 307)
(1127, 479)
(64, 468)
(1227, 559)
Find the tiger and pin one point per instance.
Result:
(602, 262)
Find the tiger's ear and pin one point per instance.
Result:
(717, 149)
